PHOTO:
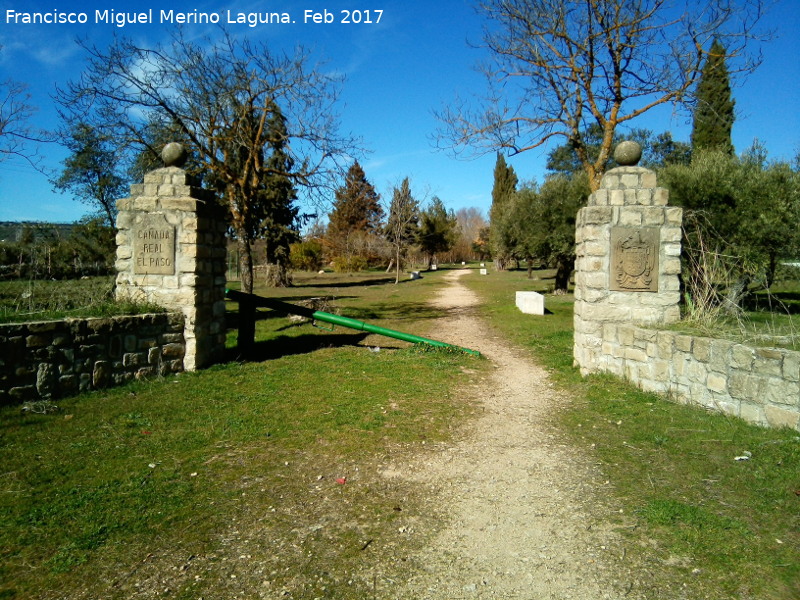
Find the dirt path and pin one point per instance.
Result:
(524, 519)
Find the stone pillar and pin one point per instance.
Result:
(628, 246)
(171, 252)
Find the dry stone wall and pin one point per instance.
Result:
(52, 359)
(760, 385)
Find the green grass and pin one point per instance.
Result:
(41, 300)
(765, 328)
(371, 296)
(223, 481)
(170, 484)
(768, 318)
(704, 523)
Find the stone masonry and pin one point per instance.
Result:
(171, 251)
(760, 385)
(52, 359)
(626, 287)
(628, 246)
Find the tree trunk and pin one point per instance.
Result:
(110, 217)
(771, 268)
(278, 275)
(564, 268)
(530, 268)
(397, 267)
(732, 304)
(245, 262)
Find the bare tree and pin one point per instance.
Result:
(471, 222)
(559, 66)
(18, 138)
(220, 94)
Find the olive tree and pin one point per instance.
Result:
(740, 221)
(92, 171)
(542, 219)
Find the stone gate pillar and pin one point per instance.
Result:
(171, 252)
(628, 246)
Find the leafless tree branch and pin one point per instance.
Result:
(558, 66)
(18, 137)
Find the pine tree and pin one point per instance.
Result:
(357, 204)
(505, 186)
(356, 215)
(279, 227)
(713, 113)
(437, 230)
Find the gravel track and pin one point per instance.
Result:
(523, 514)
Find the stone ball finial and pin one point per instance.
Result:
(174, 155)
(628, 153)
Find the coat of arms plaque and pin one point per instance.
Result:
(634, 259)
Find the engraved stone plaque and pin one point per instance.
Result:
(153, 246)
(634, 259)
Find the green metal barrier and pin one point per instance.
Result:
(249, 302)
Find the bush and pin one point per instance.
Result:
(740, 213)
(349, 264)
(306, 256)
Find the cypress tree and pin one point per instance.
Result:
(505, 181)
(713, 113)
(505, 186)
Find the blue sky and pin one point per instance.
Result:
(398, 71)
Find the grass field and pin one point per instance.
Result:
(168, 473)
(261, 475)
(42, 300)
(716, 527)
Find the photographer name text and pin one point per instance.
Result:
(195, 17)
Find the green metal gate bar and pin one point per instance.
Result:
(249, 302)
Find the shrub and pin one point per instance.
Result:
(306, 256)
(349, 264)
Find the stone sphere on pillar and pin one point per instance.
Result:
(174, 155)
(628, 154)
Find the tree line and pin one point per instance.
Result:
(262, 128)
(362, 231)
(41, 251)
(740, 211)
(258, 125)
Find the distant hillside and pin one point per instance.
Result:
(11, 231)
